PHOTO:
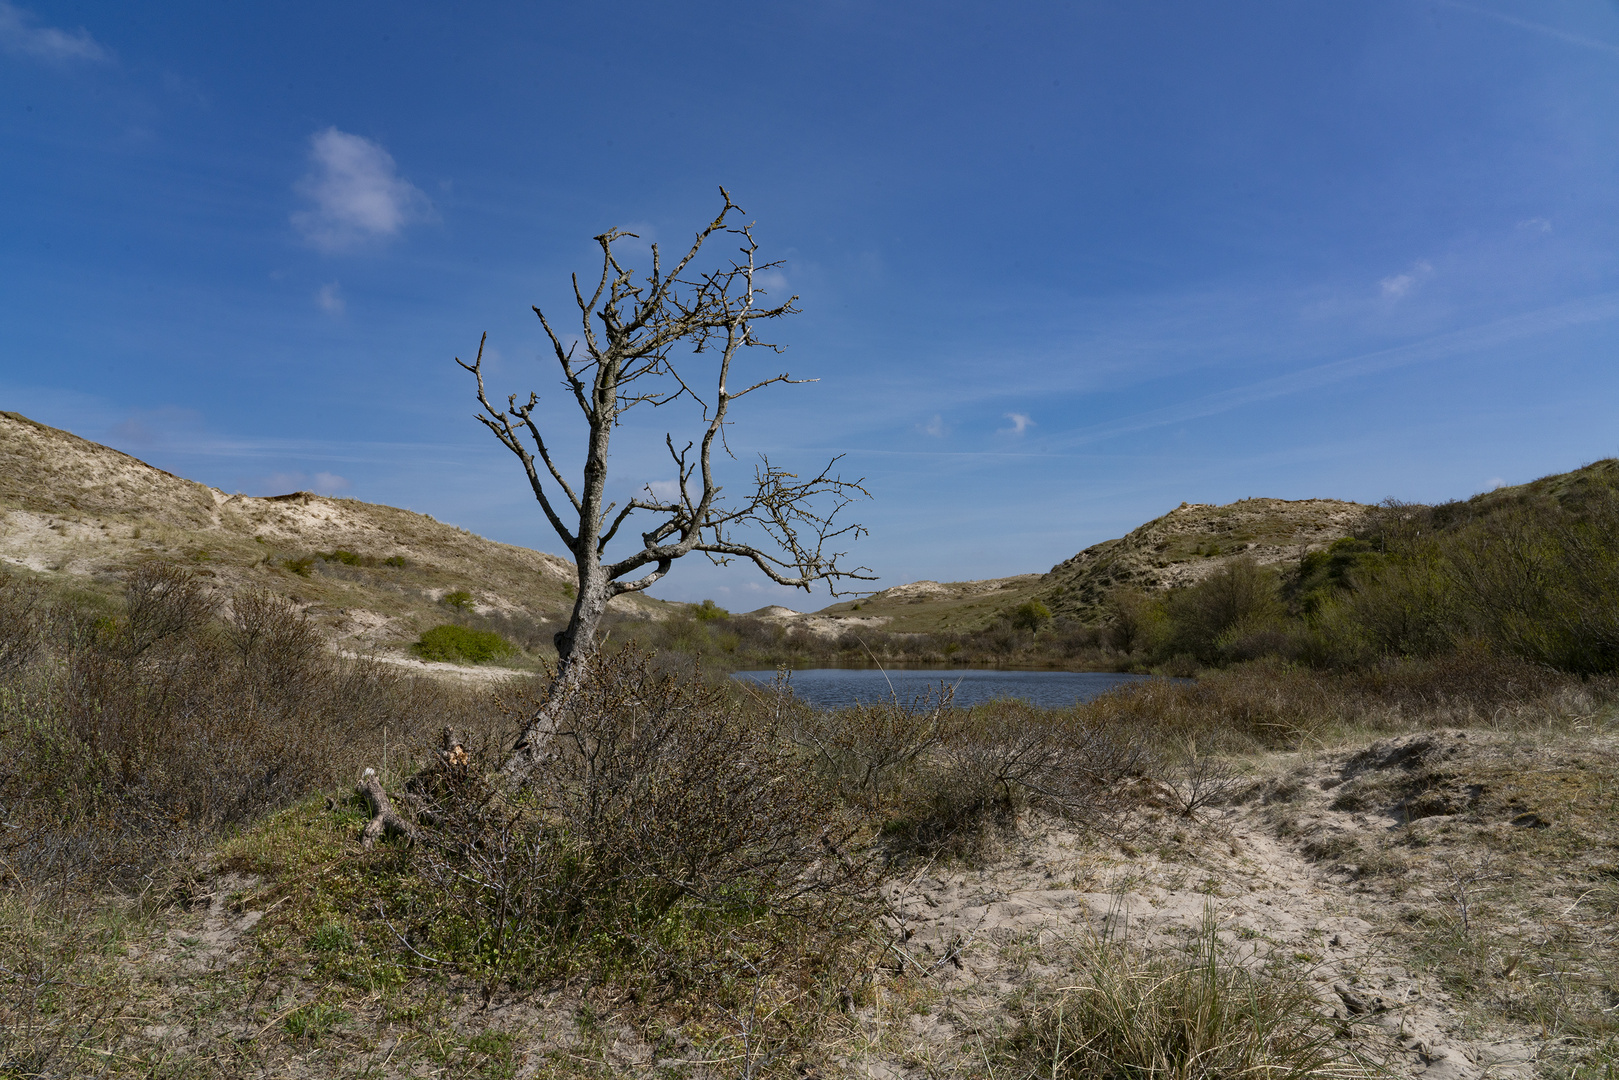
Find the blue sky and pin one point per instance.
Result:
(1061, 266)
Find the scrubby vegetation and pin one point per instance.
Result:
(740, 642)
(1534, 575)
(709, 868)
(1529, 573)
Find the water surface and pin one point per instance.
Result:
(836, 688)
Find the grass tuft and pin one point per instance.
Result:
(1125, 1015)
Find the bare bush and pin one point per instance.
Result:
(161, 601)
(868, 752)
(118, 750)
(664, 816)
(20, 624)
(270, 630)
(1201, 780)
(986, 766)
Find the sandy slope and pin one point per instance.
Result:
(1273, 867)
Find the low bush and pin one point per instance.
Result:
(462, 645)
(1031, 615)
(937, 779)
(998, 761)
(127, 739)
(1270, 704)
(708, 611)
(669, 842)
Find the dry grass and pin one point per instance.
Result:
(1209, 1014)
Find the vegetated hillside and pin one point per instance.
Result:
(922, 607)
(79, 514)
(1180, 548)
(1572, 490)
(1191, 541)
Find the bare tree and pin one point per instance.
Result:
(625, 356)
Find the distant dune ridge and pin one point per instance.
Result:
(1180, 548)
(83, 513)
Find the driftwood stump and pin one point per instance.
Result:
(421, 792)
(385, 820)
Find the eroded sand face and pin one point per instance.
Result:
(1297, 869)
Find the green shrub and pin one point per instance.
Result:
(1031, 615)
(460, 599)
(1240, 598)
(462, 645)
(301, 567)
(708, 611)
(347, 558)
(1133, 618)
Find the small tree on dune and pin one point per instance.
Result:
(631, 352)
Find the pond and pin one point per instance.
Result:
(836, 688)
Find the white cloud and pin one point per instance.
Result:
(19, 34)
(772, 282)
(1399, 285)
(934, 427)
(666, 490)
(330, 483)
(329, 298)
(1535, 224)
(1020, 423)
(357, 192)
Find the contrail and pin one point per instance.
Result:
(1538, 28)
(1531, 324)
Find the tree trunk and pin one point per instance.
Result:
(576, 648)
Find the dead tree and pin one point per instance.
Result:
(634, 334)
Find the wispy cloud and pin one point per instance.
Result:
(1020, 423)
(329, 298)
(1534, 27)
(281, 483)
(934, 427)
(357, 192)
(20, 34)
(152, 428)
(1489, 335)
(1535, 224)
(1399, 285)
